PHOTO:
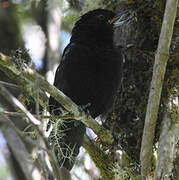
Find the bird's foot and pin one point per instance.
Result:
(85, 108)
(82, 109)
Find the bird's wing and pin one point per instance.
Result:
(69, 75)
(75, 75)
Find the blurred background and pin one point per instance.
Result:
(38, 31)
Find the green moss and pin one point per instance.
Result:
(103, 161)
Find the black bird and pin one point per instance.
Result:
(89, 73)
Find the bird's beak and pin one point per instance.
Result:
(120, 18)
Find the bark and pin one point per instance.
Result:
(103, 161)
(12, 72)
(156, 85)
(167, 147)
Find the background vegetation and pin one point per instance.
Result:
(33, 35)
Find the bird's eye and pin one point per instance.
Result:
(101, 17)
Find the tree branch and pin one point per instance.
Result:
(10, 85)
(22, 115)
(102, 160)
(29, 74)
(18, 148)
(156, 85)
(167, 144)
(10, 69)
(21, 134)
(35, 124)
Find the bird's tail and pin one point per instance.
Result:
(66, 138)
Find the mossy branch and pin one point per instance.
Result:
(102, 160)
(10, 69)
(28, 74)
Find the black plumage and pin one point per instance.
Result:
(89, 72)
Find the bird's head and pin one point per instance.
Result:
(99, 24)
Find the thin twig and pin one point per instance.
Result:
(16, 114)
(18, 148)
(156, 85)
(10, 85)
(21, 134)
(35, 122)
